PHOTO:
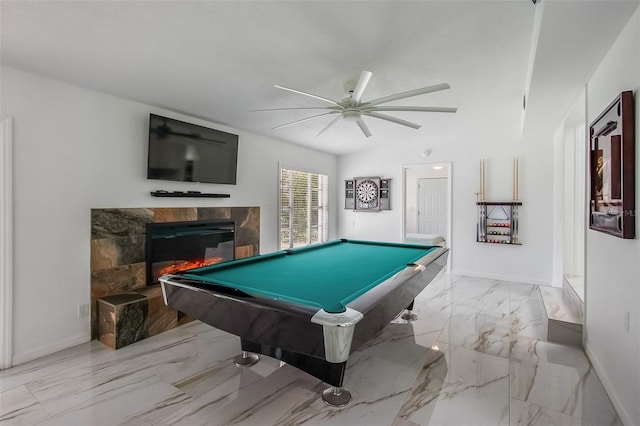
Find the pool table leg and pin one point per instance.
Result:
(409, 315)
(336, 396)
(246, 359)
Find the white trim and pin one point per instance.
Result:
(586, 212)
(42, 351)
(323, 211)
(449, 177)
(6, 243)
(510, 278)
(624, 415)
(301, 169)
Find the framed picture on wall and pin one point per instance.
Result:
(612, 169)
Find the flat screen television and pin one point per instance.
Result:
(186, 152)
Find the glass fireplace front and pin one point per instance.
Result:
(174, 247)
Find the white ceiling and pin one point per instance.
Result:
(218, 60)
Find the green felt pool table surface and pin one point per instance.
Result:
(327, 275)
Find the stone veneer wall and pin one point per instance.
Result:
(118, 238)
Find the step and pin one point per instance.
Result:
(564, 323)
(573, 287)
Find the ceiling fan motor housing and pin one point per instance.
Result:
(351, 115)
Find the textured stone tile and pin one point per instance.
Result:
(161, 317)
(132, 323)
(104, 254)
(246, 251)
(213, 213)
(247, 221)
(107, 324)
(247, 236)
(132, 249)
(118, 279)
(122, 319)
(110, 252)
(109, 223)
(175, 214)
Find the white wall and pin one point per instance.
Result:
(569, 193)
(613, 267)
(531, 262)
(75, 150)
(574, 159)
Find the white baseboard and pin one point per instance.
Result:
(45, 350)
(500, 277)
(624, 415)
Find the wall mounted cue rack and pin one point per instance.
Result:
(498, 220)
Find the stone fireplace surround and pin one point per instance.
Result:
(118, 254)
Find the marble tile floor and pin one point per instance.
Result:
(477, 355)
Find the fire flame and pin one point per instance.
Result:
(179, 267)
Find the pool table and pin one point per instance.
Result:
(309, 307)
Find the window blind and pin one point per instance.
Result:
(303, 208)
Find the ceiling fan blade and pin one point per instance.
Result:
(408, 94)
(300, 108)
(363, 127)
(331, 123)
(411, 108)
(356, 96)
(304, 119)
(392, 119)
(311, 95)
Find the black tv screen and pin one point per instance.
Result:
(187, 152)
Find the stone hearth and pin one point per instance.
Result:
(118, 254)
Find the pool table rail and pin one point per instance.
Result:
(398, 292)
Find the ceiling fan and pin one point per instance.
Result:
(352, 108)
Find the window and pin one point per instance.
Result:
(304, 214)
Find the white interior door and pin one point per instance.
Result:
(432, 206)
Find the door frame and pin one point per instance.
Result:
(426, 167)
(6, 243)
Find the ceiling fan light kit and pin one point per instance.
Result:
(352, 108)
